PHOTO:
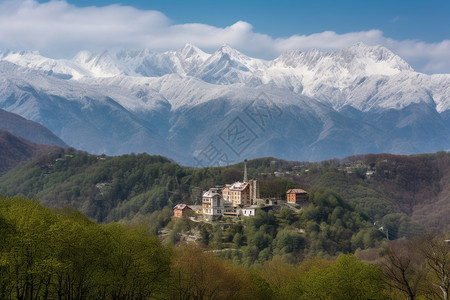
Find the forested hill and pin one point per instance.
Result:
(405, 193)
(110, 188)
(14, 150)
(60, 254)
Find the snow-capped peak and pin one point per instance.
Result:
(56, 67)
(379, 57)
(291, 68)
(236, 56)
(22, 53)
(227, 49)
(297, 58)
(190, 51)
(100, 65)
(337, 78)
(82, 57)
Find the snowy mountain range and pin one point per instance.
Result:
(208, 109)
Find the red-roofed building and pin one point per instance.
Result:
(296, 196)
(180, 209)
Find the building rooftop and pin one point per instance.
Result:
(238, 186)
(296, 191)
(210, 194)
(181, 206)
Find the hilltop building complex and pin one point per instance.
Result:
(232, 198)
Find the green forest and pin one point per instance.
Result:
(406, 194)
(80, 226)
(61, 254)
(327, 227)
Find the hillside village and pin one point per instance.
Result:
(241, 198)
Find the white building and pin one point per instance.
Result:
(248, 211)
(212, 203)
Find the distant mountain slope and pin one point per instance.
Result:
(311, 105)
(103, 188)
(14, 150)
(408, 194)
(30, 130)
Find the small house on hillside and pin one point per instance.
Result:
(296, 196)
(250, 211)
(181, 209)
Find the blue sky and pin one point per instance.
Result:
(399, 19)
(418, 31)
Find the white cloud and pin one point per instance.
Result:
(395, 19)
(59, 29)
(426, 57)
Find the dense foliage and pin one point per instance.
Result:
(405, 194)
(122, 187)
(60, 254)
(353, 205)
(104, 188)
(327, 226)
(401, 197)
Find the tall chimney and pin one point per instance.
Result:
(245, 171)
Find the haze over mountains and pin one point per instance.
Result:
(15, 150)
(29, 130)
(219, 108)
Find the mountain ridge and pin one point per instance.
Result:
(160, 99)
(295, 70)
(16, 150)
(29, 130)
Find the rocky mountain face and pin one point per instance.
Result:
(219, 108)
